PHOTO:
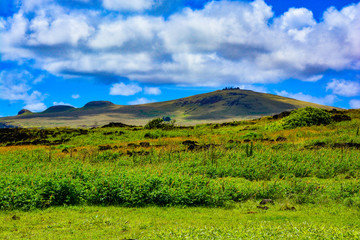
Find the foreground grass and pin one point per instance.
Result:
(240, 221)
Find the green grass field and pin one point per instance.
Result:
(202, 182)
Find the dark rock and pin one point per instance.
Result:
(265, 201)
(145, 144)
(281, 139)
(104, 147)
(132, 145)
(287, 208)
(15, 217)
(108, 133)
(189, 142)
(251, 212)
(347, 145)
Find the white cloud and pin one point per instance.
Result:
(75, 96)
(126, 5)
(124, 90)
(64, 28)
(35, 107)
(29, 5)
(152, 90)
(14, 87)
(327, 100)
(141, 101)
(355, 104)
(344, 87)
(2, 23)
(62, 103)
(226, 42)
(135, 29)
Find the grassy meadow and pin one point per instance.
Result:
(201, 182)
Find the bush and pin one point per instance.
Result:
(155, 123)
(159, 123)
(308, 116)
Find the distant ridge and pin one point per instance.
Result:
(98, 104)
(218, 106)
(24, 111)
(58, 108)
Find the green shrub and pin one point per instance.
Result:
(308, 116)
(159, 123)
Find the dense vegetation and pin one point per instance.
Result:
(232, 165)
(206, 165)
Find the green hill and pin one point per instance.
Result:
(217, 106)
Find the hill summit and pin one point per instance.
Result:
(218, 106)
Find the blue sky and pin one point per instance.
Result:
(129, 52)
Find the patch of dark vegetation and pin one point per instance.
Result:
(25, 136)
(145, 144)
(316, 145)
(266, 201)
(189, 142)
(210, 100)
(346, 145)
(340, 118)
(104, 147)
(116, 133)
(5, 125)
(320, 144)
(230, 88)
(194, 146)
(281, 139)
(133, 145)
(281, 115)
(138, 153)
(116, 124)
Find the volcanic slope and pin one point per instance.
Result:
(217, 106)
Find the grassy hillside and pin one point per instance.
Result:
(202, 182)
(218, 106)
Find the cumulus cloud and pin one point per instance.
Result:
(63, 29)
(327, 100)
(126, 5)
(152, 91)
(75, 96)
(14, 87)
(141, 101)
(124, 90)
(35, 107)
(355, 104)
(344, 87)
(223, 43)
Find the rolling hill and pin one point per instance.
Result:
(217, 106)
